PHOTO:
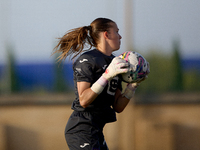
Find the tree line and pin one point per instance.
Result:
(167, 75)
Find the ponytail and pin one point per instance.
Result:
(73, 42)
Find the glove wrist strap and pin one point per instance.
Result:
(99, 85)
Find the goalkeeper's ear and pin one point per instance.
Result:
(105, 34)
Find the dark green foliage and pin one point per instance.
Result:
(192, 81)
(12, 75)
(177, 68)
(60, 84)
(160, 77)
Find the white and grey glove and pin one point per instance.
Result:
(130, 90)
(117, 66)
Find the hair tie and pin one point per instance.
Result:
(89, 27)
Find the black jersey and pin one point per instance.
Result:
(89, 67)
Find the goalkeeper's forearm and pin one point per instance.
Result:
(120, 102)
(99, 85)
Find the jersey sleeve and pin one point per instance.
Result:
(84, 69)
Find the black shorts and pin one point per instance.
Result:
(83, 133)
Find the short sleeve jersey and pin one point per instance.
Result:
(88, 68)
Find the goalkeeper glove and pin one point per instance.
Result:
(117, 66)
(131, 87)
(130, 90)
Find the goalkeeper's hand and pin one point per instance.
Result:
(131, 88)
(117, 66)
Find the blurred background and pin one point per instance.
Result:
(36, 92)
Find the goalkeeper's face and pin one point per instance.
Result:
(114, 38)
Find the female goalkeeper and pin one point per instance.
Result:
(97, 86)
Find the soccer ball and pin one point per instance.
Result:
(138, 67)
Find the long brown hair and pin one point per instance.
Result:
(74, 41)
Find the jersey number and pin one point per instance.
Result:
(112, 86)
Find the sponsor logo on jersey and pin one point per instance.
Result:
(81, 61)
(84, 145)
(78, 69)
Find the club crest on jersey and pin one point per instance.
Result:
(81, 61)
(104, 67)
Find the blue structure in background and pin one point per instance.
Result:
(190, 64)
(42, 75)
(32, 76)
